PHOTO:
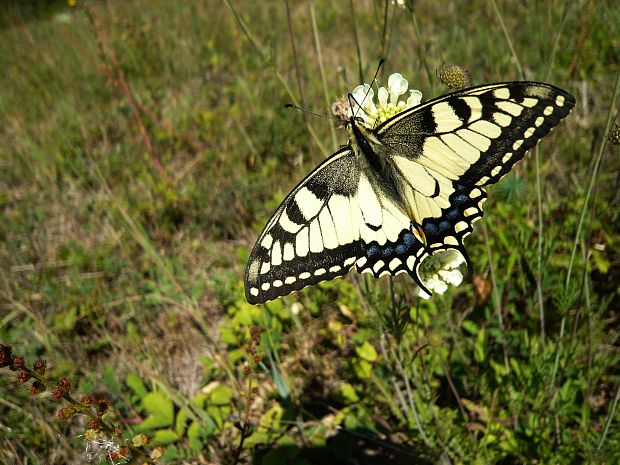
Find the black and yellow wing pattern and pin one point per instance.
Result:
(401, 191)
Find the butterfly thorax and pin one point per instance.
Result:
(365, 142)
(374, 159)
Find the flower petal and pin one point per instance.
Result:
(414, 99)
(397, 85)
(383, 97)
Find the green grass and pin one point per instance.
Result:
(143, 145)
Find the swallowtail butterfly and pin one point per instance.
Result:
(398, 193)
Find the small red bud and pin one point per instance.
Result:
(5, 355)
(102, 407)
(66, 413)
(64, 384)
(22, 377)
(247, 369)
(94, 424)
(36, 388)
(57, 393)
(17, 363)
(40, 366)
(255, 390)
(257, 358)
(87, 400)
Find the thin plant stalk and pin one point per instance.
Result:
(610, 418)
(421, 54)
(593, 180)
(356, 40)
(508, 40)
(319, 53)
(295, 59)
(496, 300)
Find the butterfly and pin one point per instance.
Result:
(402, 191)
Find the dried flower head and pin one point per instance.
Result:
(454, 76)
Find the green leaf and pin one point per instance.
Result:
(136, 384)
(163, 437)
(348, 394)
(362, 368)
(161, 411)
(367, 351)
(471, 327)
(480, 350)
(195, 433)
(220, 395)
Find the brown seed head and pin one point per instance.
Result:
(22, 377)
(614, 135)
(454, 76)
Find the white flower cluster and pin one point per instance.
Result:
(439, 270)
(388, 103)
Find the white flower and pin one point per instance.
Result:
(400, 3)
(439, 270)
(100, 447)
(388, 100)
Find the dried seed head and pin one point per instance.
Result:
(454, 76)
(341, 108)
(613, 135)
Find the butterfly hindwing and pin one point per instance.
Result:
(450, 147)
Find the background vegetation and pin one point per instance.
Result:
(143, 145)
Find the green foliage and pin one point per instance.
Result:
(144, 145)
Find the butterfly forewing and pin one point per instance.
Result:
(312, 237)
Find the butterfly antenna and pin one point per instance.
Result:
(303, 110)
(381, 61)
